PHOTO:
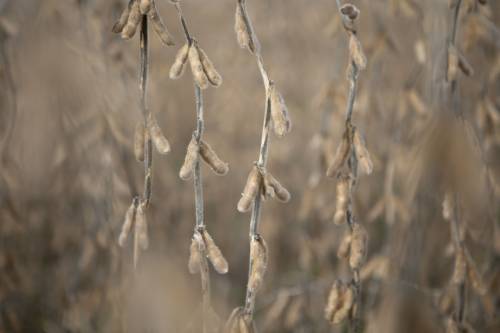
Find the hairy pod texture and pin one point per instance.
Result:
(197, 70)
(127, 224)
(274, 189)
(213, 76)
(133, 20)
(161, 143)
(208, 155)
(342, 199)
(252, 189)
(341, 154)
(340, 302)
(214, 254)
(194, 256)
(362, 154)
(258, 259)
(179, 64)
(159, 28)
(282, 124)
(359, 246)
(244, 30)
(186, 171)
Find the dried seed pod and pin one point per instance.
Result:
(345, 247)
(460, 267)
(127, 224)
(452, 64)
(359, 246)
(197, 68)
(362, 153)
(341, 155)
(145, 6)
(350, 11)
(340, 302)
(279, 191)
(258, 259)
(161, 143)
(187, 168)
(342, 202)
(179, 64)
(252, 188)
(134, 18)
(244, 31)
(194, 256)
(159, 27)
(141, 228)
(282, 124)
(122, 21)
(356, 52)
(213, 76)
(214, 254)
(139, 137)
(214, 162)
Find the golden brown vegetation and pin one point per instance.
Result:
(403, 236)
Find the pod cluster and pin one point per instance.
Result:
(202, 68)
(207, 154)
(261, 182)
(135, 217)
(202, 245)
(131, 16)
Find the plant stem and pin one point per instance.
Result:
(262, 159)
(198, 190)
(143, 85)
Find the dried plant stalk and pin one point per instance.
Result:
(344, 301)
(202, 245)
(135, 14)
(275, 115)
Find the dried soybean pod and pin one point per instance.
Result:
(281, 193)
(213, 76)
(347, 301)
(279, 112)
(139, 137)
(197, 68)
(179, 64)
(186, 171)
(194, 256)
(145, 6)
(341, 155)
(244, 30)
(356, 52)
(133, 21)
(359, 246)
(258, 258)
(127, 224)
(141, 228)
(214, 254)
(252, 188)
(122, 21)
(362, 153)
(161, 143)
(210, 157)
(159, 27)
(345, 246)
(342, 201)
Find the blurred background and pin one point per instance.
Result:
(69, 103)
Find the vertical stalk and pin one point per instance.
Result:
(143, 85)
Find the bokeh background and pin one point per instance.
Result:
(68, 109)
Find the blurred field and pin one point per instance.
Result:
(68, 108)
